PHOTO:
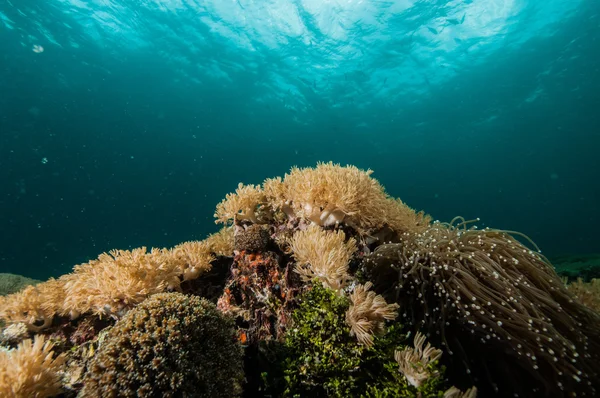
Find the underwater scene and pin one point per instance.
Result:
(300, 198)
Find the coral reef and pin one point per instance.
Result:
(318, 280)
(169, 345)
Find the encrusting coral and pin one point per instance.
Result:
(170, 345)
(31, 370)
(324, 275)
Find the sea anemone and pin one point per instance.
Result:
(479, 290)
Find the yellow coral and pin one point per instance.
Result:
(30, 370)
(241, 205)
(367, 313)
(413, 361)
(324, 255)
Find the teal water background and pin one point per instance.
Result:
(123, 123)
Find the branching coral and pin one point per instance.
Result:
(241, 205)
(221, 243)
(170, 345)
(324, 255)
(111, 284)
(367, 313)
(35, 306)
(31, 370)
(192, 258)
(116, 282)
(484, 288)
(415, 362)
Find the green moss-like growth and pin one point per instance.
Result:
(171, 345)
(585, 266)
(324, 360)
(11, 283)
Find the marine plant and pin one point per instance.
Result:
(325, 359)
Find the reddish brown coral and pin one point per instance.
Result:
(258, 294)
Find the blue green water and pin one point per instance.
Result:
(123, 123)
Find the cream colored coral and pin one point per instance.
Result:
(367, 313)
(30, 370)
(588, 293)
(413, 361)
(221, 243)
(454, 392)
(117, 281)
(324, 255)
(14, 333)
(329, 194)
(192, 258)
(241, 205)
(113, 283)
(35, 306)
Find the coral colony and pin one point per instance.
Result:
(319, 284)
